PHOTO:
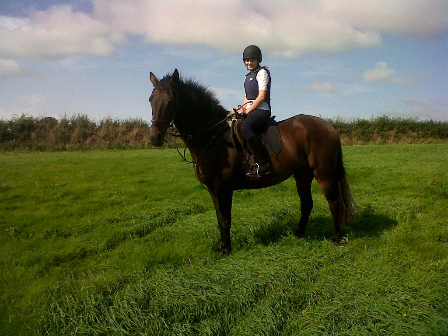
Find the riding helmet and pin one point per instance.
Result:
(252, 51)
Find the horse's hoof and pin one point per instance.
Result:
(225, 252)
(339, 241)
(299, 234)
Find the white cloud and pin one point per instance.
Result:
(12, 69)
(286, 28)
(379, 73)
(405, 80)
(282, 27)
(382, 72)
(428, 18)
(56, 33)
(319, 86)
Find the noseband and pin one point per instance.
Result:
(155, 122)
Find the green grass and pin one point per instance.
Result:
(126, 243)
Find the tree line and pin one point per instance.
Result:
(81, 133)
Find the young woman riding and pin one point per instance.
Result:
(256, 106)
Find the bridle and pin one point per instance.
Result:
(189, 137)
(157, 122)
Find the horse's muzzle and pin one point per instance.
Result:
(157, 138)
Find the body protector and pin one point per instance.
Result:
(251, 86)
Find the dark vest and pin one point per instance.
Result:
(251, 86)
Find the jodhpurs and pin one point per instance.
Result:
(255, 122)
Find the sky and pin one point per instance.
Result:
(344, 59)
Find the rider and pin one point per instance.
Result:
(256, 106)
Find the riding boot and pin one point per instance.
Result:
(262, 166)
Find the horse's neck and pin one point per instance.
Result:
(190, 123)
(192, 118)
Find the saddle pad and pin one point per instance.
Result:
(272, 140)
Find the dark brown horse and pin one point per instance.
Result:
(311, 149)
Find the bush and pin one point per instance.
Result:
(387, 130)
(81, 133)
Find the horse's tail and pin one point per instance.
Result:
(346, 204)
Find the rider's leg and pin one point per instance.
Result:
(260, 157)
(254, 123)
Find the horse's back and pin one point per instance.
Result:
(310, 138)
(309, 130)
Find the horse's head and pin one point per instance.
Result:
(163, 104)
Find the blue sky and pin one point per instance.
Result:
(329, 58)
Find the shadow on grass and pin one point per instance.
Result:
(367, 224)
(370, 224)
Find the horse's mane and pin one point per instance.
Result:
(200, 97)
(200, 92)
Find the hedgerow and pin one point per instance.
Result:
(81, 133)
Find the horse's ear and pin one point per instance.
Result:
(154, 79)
(175, 78)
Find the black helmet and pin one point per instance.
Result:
(252, 51)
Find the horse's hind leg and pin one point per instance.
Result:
(329, 188)
(303, 183)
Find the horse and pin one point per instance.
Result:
(311, 148)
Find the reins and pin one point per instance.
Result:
(191, 136)
(230, 115)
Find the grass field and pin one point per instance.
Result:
(126, 243)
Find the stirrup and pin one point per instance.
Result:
(254, 172)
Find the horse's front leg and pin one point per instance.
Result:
(222, 199)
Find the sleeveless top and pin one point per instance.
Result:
(257, 80)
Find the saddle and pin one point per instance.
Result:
(270, 138)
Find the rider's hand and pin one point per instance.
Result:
(241, 110)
